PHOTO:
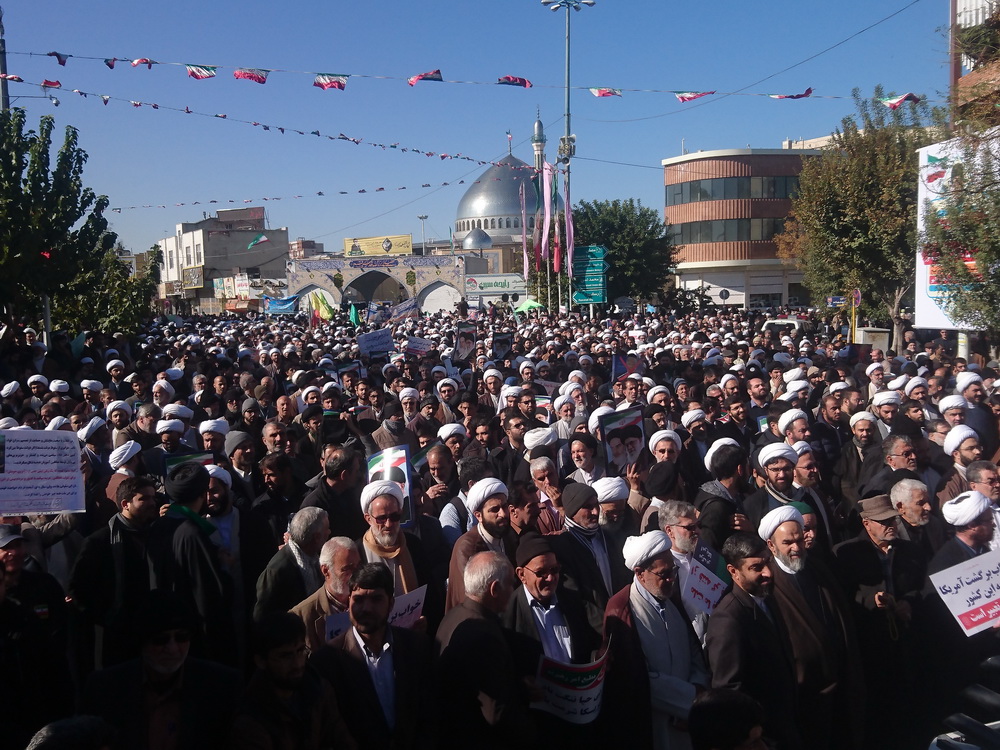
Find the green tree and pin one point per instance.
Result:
(639, 251)
(853, 222)
(962, 233)
(52, 228)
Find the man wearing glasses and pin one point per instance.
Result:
(984, 478)
(680, 522)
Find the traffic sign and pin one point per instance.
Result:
(588, 282)
(589, 297)
(724, 295)
(594, 252)
(589, 265)
(856, 298)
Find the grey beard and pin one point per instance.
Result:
(794, 564)
(607, 525)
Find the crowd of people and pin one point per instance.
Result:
(231, 517)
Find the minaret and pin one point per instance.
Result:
(538, 144)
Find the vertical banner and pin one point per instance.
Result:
(546, 207)
(536, 234)
(569, 226)
(557, 258)
(524, 230)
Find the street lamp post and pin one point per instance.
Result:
(567, 144)
(423, 239)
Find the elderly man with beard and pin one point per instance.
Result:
(487, 500)
(777, 462)
(962, 446)
(592, 564)
(338, 560)
(847, 470)
(915, 522)
(293, 573)
(656, 665)
(747, 641)
(679, 521)
(617, 518)
(897, 452)
(287, 704)
(806, 481)
(170, 432)
(978, 414)
(583, 451)
(830, 690)
(882, 576)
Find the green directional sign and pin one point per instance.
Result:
(588, 282)
(589, 266)
(592, 252)
(589, 297)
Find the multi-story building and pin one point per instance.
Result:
(723, 209)
(303, 248)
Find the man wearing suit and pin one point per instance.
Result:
(747, 644)
(915, 522)
(293, 573)
(592, 567)
(487, 501)
(378, 672)
(338, 560)
(821, 634)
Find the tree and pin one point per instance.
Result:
(962, 233)
(52, 228)
(639, 251)
(853, 222)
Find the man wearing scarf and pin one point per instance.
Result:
(392, 433)
(385, 542)
(777, 462)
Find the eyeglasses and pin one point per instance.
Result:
(177, 636)
(552, 572)
(665, 575)
(687, 527)
(384, 519)
(991, 481)
(905, 454)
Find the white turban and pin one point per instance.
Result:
(492, 373)
(794, 387)
(115, 363)
(726, 378)
(450, 430)
(873, 367)
(163, 385)
(59, 386)
(884, 398)
(57, 423)
(774, 451)
(593, 422)
(800, 447)
(123, 454)
(714, 447)
(964, 379)
(773, 519)
(220, 426)
(562, 401)
(169, 425)
(656, 391)
(526, 365)
(116, 405)
(9, 423)
(85, 432)
(688, 418)
(611, 489)
(481, 491)
(958, 435)
(10, 389)
(786, 419)
(90, 385)
(838, 386)
(38, 379)
(217, 472)
(952, 402)
(177, 410)
(898, 383)
(863, 416)
(307, 391)
(639, 550)
(963, 509)
(659, 437)
(378, 489)
(174, 373)
(576, 374)
(912, 383)
(409, 393)
(509, 391)
(540, 436)
(790, 376)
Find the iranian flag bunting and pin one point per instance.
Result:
(330, 81)
(514, 81)
(606, 92)
(895, 102)
(110, 62)
(690, 96)
(433, 75)
(59, 56)
(11, 77)
(200, 72)
(257, 75)
(260, 239)
(47, 84)
(803, 95)
(144, 61)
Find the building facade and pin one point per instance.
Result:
(723, 209)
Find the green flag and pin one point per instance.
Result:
(355, 318)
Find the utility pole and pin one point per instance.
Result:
(4, 93)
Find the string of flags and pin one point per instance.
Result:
(338, 81)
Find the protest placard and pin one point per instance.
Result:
(418, 347)
(466, 343)
(406, 610)
(376, 342)
(572, 692)
(624, 437)
(40, 472)
(501, 346)
(971, 591)
(393, 464)
(707, 580)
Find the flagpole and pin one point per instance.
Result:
(548, 285)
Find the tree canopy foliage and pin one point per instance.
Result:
(853, 222)
(52, 229)
(640, 253)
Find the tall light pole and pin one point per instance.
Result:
(423, 240)
(567, 143)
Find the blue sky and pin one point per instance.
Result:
(141, 156)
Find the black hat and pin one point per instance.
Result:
(529, 546)
(392, 409)
(662, 479)
(575, 496)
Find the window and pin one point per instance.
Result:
(187, 256)
(531, 222)
(198, 258)
(517, 223)
(508, 223)
(493, 223)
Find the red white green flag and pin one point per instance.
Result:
(47, 84)
(433, 75)
(803, 95)
(690, 96)
(201, 72)
(260, 239)
(606, 92)
(895, 102)
(514, 81)
(257, 75)
(330, 81)
(11, 77)
(59, 56)
(143, 61)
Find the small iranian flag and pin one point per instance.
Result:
(514, 81)
(59, 56)
(330, 81)
(690, 96)
(47, 84)
(257, 75)
(895, 102)
(260, 239)
(434, 75)
(11, 77)
(606, 92)
(200, 72)
(803, 95)
(143, 61)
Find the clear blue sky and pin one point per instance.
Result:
(142, 156)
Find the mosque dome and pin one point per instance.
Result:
(477, 239)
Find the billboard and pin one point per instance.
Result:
(194, 278)
(495, 284)
(242, 286)
(393, 244)
(219, 287)
(229, 287)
